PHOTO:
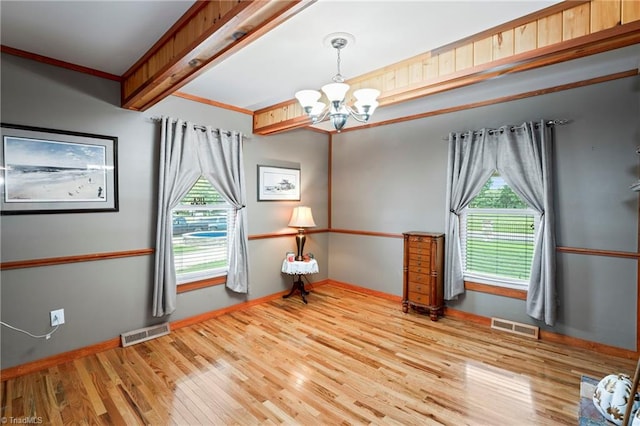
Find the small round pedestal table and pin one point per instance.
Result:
(299, 270)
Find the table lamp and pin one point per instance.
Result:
(301, 218)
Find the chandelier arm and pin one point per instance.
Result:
(363, 118)
(323, 116)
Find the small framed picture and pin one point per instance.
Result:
(55, 171)
(278, 184)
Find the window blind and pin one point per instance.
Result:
(498, 243)
(497, 235)
(201, 226)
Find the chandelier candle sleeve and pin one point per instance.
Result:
(308, 99)
(301, 218)
(337, 111)
(335, 92)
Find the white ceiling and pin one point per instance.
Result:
(111, 36)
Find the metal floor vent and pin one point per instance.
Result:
(143, 334)
(515, 327)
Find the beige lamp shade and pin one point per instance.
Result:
(302, 218)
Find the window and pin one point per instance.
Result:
(201, 223)
(497, 236)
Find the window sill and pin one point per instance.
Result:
(195, 285)
(498, 291)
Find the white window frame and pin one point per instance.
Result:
(485, 278)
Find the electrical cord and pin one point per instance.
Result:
(45, 336)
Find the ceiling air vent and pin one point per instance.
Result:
(143, 334)
(515, 327)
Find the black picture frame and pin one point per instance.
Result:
(57, 171)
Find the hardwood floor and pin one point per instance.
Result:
(345, 358)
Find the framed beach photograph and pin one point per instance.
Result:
(278, 183)
(56, 171)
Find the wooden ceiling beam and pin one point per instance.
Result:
(563, 32)
(206, 34)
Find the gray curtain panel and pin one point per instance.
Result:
(523, 156)
(472, 160)
(222, 164)
(525, 162)
(186, 153)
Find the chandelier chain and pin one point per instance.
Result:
(338, 78)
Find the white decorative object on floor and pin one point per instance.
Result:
(634, 388)
(612, 395)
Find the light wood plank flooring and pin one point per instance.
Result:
(345, 358)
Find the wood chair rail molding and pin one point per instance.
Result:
(367, 233)
(562, 32)
(596, 252)
(285, 234)
(61, 260)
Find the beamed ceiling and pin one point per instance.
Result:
(209, 53)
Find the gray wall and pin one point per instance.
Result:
(392, 179)
(105, 298)
(386, 179)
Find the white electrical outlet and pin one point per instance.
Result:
(57, 317)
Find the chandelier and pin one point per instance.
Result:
(337, 110)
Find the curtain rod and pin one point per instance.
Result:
(200, 127)
(549, 123)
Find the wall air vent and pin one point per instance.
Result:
(143, 334)
(515, 327)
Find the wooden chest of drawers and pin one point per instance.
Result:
(423, 273)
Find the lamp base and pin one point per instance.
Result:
(300, 240)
